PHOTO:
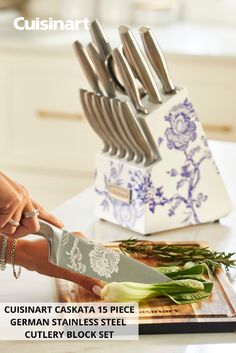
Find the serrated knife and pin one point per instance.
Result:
(71, 252)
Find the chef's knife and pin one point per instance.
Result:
(128, 80)
(99, 39)
(136, 58)
(76, 254)
(101, 70)
(93, 123)
(106, 111)
(87, 66)
(157, 59)
(93, 108)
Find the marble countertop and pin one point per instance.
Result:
(77, 214)
(181, 38)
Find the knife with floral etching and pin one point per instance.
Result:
(92, 259)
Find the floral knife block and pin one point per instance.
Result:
(183, 188)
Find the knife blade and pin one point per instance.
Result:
(136, 58)
(101, 70)
(142, 134)
(87, 66)
(105, 106)
(99, 39)
(128, 80)
(92, 106)
(80, 255)
(157, 59)
(93, 123)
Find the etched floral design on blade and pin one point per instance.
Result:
(75, 258)
(104, 261)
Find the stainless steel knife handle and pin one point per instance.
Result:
(122, 132)
(136, 58)
(102, 119)
(99, 39)
(93, 109)
(101, 70)
(105, 107)
(53, 236)
(157, 59)
(87, 66)
(128, 80)
(93, 123)
(142, 133)
(129, 128)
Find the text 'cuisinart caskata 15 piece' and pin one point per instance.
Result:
(156, 171)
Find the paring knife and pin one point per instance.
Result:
(157, 59)
(105, 105)
(91, 259)
(93, 123)
(101, 70)
(92, 106)
(140, 131)
(87, 66)
(136, 58)
(128, 80)
(99, 39)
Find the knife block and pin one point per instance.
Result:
(183, 188)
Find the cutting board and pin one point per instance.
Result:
(217, 314)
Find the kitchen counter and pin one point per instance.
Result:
(77, 214)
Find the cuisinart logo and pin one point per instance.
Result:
(21, 24)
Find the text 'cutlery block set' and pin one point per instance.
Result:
(156, 171)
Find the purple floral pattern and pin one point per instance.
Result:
(179, 135)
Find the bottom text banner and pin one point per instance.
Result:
(68, 321)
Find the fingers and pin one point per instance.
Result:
(27, 225)
(46, 216)
(81, 235)
(10, 228)
(82, 280)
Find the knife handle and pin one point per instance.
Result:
(46, 231)
(91, 120)
(157, 59)
(128, 79)
(101, 70)
(136, 58)
(99, 39)
(86, 66)
(105, 107)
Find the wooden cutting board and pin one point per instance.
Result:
(217, 314)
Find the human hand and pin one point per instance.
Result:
(33, 255)
(14, 202)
